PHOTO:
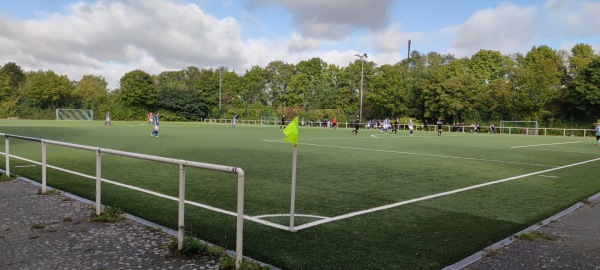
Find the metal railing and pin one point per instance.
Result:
(182, 167)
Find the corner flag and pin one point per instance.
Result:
(291, 132)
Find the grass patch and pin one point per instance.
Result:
(153, 229)
(338, 173)
(192, 247)
(5, 178)
(49, 191)
(109, 214)
(38, 226)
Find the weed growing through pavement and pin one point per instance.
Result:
(38, 226)
(110, 214)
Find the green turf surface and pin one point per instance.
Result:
(338, 174)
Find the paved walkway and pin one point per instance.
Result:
(568, 240)
(55, 232)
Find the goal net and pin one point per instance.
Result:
(74, 114)
(269, 120)
(519, 127)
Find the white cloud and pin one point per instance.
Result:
(151, 35)
(507, 28)
(333, 19)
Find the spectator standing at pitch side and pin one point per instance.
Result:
(155, 120)
(107, 117)
(440, 125)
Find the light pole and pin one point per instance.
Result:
(362, 71)
(220, 79)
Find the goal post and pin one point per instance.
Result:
(519, 127)
(74, 114)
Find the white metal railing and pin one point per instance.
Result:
(182, 165)
(430, 127)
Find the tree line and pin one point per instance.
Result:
(556, 87)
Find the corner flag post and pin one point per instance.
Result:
(291, 132)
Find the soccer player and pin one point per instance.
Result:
(440, 125)
(107, 117)
(396, 126)
(492, 128)
(150, 118)
(356, 126)
(155, 120)
(598, 134)
(410, 126)
(282, 124)
(234, 122)
(334, 123)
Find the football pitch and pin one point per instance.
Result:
(366, 201)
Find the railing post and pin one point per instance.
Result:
(98, 181)
(240, 219)
(44, 167)
(180, 222)
(6, 149)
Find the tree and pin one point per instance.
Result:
(16, 75)
(138, 90)
(486, 66)
(538, 82)
(253, 86)
(586, 90)
(46, 89)
(177, 97)
(389, 96)
(91, 92)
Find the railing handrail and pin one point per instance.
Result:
(182, 165)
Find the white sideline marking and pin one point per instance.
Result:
(384, 207)
(418, 154)
(535, 145)
(25, 166)
(287, 215)
(576, 152)
(251, 218)
(550, 176)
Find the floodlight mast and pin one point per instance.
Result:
(220, 79)
(362, 71)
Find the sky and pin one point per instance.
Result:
(109, 38)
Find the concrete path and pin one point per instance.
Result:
(55, 232)
(568, 240)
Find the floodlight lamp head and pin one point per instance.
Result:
(365, 55)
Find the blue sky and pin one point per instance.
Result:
(111, 37)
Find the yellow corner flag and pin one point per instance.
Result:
(291, 132)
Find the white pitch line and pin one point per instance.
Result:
(549, 176)
(535, 145)
(25, 166)
(576, 152)
(417, 154)
(287, 215)
(384, 207)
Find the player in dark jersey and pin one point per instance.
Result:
(439, 126)
(356, 126)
